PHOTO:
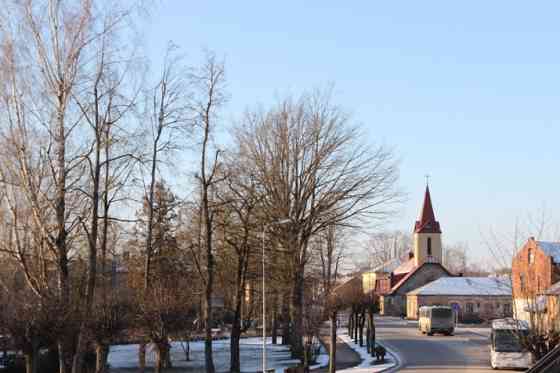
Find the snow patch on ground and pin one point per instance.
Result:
(367, 361)
(322, 360)
(277, 356)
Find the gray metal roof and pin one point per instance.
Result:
(551, 249)
(466, 286)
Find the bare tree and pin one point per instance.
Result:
(53, 38)
(239, 223)
(385, 248)
(313, 169)
(166, 108)
(455, 258)
(209, 84)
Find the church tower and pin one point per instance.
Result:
(427, 235)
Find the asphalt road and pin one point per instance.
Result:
(466, 351)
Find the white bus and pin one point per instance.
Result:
(436, 319)
(506, 350)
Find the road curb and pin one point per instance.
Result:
(395, 356)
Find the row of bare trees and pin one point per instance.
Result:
(97, 249)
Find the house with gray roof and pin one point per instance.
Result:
(472, 298)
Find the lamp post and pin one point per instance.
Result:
(280, 222)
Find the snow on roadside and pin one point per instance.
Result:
(367, 359)
(278, 356)
(322, 360)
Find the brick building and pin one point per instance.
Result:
(472, 298)
(535, 268)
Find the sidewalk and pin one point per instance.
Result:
(350, 357)
(345, 356)
(368, 364)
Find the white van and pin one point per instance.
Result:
(506, 350)
(436, 319)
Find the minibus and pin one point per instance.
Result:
(436, 319)
(506, 349)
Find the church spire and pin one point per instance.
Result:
(427, 222)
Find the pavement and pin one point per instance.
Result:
(345, 356)
(467, 350)
(351, 358)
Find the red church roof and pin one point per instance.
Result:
(427, 222)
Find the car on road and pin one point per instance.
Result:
(436, 319)
(506, 349)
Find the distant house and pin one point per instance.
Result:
(471, 297)
(535, 268)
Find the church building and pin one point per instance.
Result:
(423, 266)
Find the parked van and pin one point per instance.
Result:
(436, 319)
(506, 350)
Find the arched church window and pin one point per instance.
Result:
(429, 246)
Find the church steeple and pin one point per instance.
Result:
(427, 234)
(427, 222)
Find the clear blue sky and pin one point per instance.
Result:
(467, 92)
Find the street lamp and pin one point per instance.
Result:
(280, 222)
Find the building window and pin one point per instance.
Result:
(531, 257)
(497, 306)
(469, 308)
(507, 309)
(522, 282)
(429, 246)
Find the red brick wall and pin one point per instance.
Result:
(537, 276)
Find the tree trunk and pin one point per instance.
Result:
(285, 322)
(355, 326)
(29, 362)
(368, 345)
(209, 361)
(350, 323)
(101, 354)
(142, 357)
(274, 321)
(332, 343)
(296, 335)
(61, 357)
(167, 363)
(362, 319)
(371, 332)
(159, 359)
(235, 362)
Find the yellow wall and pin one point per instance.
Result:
(368, 281)
(421, 248)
